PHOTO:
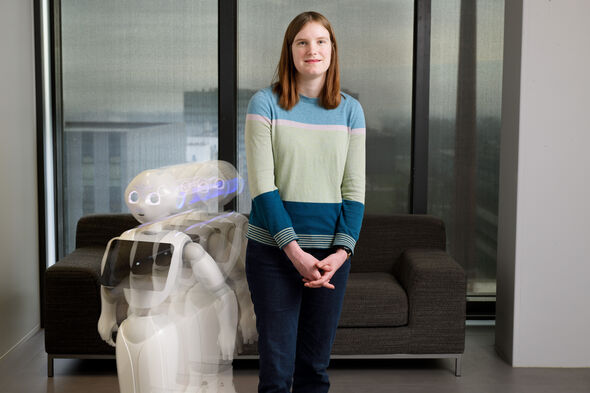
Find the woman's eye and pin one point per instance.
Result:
(301, 43)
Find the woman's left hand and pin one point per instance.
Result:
(329, 266)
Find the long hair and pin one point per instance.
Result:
(285, 81)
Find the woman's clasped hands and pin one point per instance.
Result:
(316, 273)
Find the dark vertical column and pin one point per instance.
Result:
(463, 236)
(57, 127)
(228, 82)
(420, 107)
(42, 234)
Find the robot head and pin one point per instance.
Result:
(152, 195)
(158, 193)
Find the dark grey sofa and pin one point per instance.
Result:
(405, 296)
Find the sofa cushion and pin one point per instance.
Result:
(374, 300)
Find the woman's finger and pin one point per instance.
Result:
(325, 266)
(325, 278)
(316, 283)
(326, 284)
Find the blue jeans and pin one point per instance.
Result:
(296, 325)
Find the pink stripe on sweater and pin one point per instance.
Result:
(307, 126)
(291, 123)
(255, 117)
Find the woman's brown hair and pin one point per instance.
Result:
(285, 81)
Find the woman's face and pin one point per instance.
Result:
(312, 51)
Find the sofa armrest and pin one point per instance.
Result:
(72, 304)
(436, 288)
(98, 229)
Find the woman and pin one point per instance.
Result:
(305, 147)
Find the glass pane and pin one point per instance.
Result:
(139, 91)
(465, 109)
(375, 41)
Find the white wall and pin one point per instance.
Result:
(543, 316)
(19, 250)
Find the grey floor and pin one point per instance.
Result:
(25, 370)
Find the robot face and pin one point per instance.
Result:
(151, 196)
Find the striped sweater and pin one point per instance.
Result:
(306, 171)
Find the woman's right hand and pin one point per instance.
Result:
(304, 262)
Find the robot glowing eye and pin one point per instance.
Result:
(219, 184)
(153, 199)
(133, 197)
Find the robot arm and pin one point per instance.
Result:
(107, 323)
(227, 244)
(247, 324)
(207, 272)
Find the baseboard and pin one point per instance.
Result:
(22, 340)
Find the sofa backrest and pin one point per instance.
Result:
(384, 237)
(98, 229)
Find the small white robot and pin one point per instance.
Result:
(182, 275)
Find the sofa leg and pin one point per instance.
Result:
(49, 365)
(458, 365)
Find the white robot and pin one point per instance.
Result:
(182, 275)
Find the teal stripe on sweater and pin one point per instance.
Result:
(305, 241)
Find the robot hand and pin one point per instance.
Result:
(107, 325)
(226, 346)
(248, 329)
(228, 324)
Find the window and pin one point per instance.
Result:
(464, 135)
(139, 82)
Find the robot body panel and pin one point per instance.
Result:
(147, 355)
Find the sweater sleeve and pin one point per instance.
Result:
(353, 184)
(266, 200)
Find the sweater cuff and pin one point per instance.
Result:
(285, 236)
(342, 239)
